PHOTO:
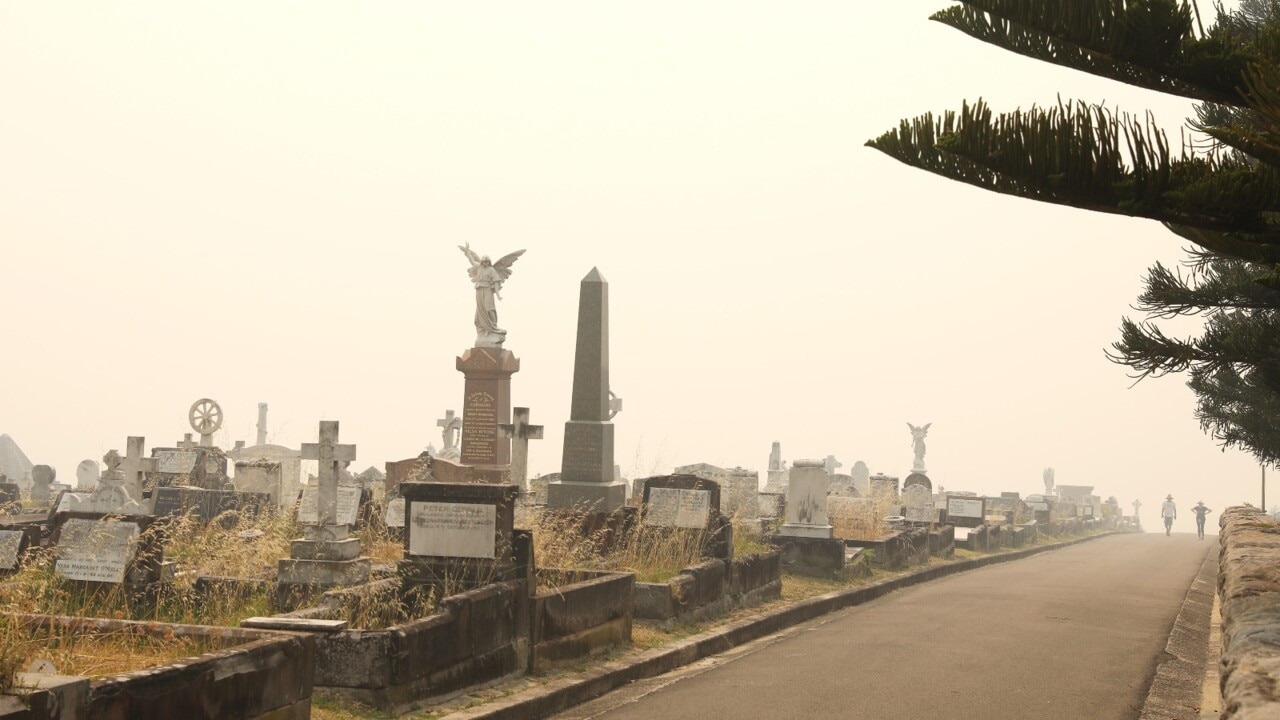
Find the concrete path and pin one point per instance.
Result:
(1073, 633)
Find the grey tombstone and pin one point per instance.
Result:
(806, 511)
(460, 534)
(520, 432)
(260, 476)
(96, 551)
(87, 474)
(12, 544)
(861, 475)
(134, 466)
(918, 504)
(42, 477)
(586, 468)
(680, 501)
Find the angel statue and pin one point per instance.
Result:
(488, 278)
(1047, 476)
(917, 444)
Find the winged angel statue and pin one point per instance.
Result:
(488, 278)
(917, 443)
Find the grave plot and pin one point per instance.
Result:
(123, 669)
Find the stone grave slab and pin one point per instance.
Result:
(395, 513)
(968, 512)
(681, 501)
(97, 551)
(350, 497)
(463, 532)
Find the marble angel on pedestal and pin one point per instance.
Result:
(488, 278)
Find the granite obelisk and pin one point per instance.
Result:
(586, 468)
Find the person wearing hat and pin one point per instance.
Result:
(1200, 510)
(1169, 512)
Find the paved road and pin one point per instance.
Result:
(1069, 634)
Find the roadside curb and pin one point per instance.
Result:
(558, 695)
(1178, 685)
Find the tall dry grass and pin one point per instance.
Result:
(865, 517)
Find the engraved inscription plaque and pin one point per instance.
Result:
(676, 507)
(96, 550)
(395, 513)
(464, 530)
(348, 505)
(480, 429)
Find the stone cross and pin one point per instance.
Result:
(186, 443)
(135, 466)
(830, 464)
(330, 454)
(451, 424)
(520, 432)
(1136, 504)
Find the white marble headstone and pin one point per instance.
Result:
(96, 550)
(348, 505)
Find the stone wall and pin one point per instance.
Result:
(712, 587)
(1249, 590)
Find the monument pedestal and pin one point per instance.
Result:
(486, 405)
(586, 470)
(587, 496)
(807, 531)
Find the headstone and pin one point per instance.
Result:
(87, 474)
(964, 511)
(260, 476)
(486, 405)
(134, 466)
(918, 478)
(110, 497)
(12, 544)
(196, 465)
(395, 513)
(290, 467)
(586, 467)
(42, 477)
(806, 512)
(831, 465)
(460, 532)
(330, 456)
(682, 501)
(96, 550)
(738, 487)
(918, 504)
(776, 480)
(450, 425)
(208, 505)
(861, 475)
(348, 507)
(520, 432)
(884, 486)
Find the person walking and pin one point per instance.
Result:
(1200, 510)
(1169, 512)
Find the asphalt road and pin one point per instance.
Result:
(1069, 634)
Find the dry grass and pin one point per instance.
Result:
(865, 517)
(91, 654)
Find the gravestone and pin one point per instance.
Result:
(738, 487)
(13, 543)
(520, 432)
(42, 477)
(918, 504)
(486, 404)
(110, 497)
(861, 475)
(193, 466)
(395, 513)
(87, 474)
(350, 498)
(93, 549)
(260, 476)
(883, 486)
(325, 556)
(776, 478)
(586, 468)
(208, 505)
(290, 460)
(966, 511)
(682, 501)
(918, 478)
(134, 466)
(806, 511)
(412, 470)
(450, 425)
(831, 464)
(459, 533)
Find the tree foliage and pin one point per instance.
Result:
(1218, 188)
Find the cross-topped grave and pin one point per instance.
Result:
(135, 466)
(831, 464)
(451, 424)
(325, 556)
(520, 432)
(186, 443)
(329, 453)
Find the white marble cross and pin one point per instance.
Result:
(186, 443)
(520, 432)
(134, 466)
(329, 453)
(451, 424)
(830, 464)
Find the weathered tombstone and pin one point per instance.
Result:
(831, 464)
(194, 466)
(395, 512)
(134, 466)
(113, 551)
(965, 511)
(459, 533)
(586, 467)
(884, 486)
(682, 501)
(111, 495)
(918, 478)
(738, 487)
(325, 556)
(807, 501)
(42, 477)
(347, 512)
(208, 505)
(520, 432)
(12, 544)
(290, 461)
(861, 475)
(918, 504)
(260, 476)
(87, 474)
(450, 424)
(10, 498)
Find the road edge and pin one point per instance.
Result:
(1176, 690)
(544, 700)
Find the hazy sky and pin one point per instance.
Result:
(261, 202)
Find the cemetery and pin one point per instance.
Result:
(171, 581)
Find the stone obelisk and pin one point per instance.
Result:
(586, 469)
